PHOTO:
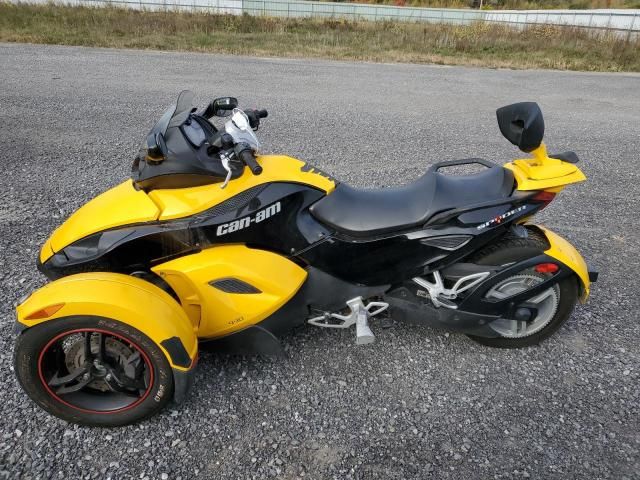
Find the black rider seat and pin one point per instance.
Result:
(369, 212)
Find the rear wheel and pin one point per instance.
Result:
(554, 305)
(93, 371)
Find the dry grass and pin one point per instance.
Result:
(478, 44)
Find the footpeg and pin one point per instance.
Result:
(358, 316)
(445, 302)
(443, 297)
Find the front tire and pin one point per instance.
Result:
(565, 293)
(93, 371)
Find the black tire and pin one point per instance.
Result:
(513, 249)
(27, 359)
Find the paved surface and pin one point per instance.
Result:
(419, 403)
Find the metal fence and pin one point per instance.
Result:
(618, 20)
(359, 11)
(627, 21)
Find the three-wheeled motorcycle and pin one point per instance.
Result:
(210, 243)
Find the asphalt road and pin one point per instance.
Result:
(418, 403)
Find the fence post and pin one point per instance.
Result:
(633, 23)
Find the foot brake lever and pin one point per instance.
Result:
(364, 335)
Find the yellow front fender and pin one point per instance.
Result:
(566, 253)
(127, 299)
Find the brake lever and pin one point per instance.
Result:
(225, 159)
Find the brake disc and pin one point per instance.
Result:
(115, 350)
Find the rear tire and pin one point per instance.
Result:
(514, 249)
(39, 347)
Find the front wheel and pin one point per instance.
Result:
(93, 371)
(554, 305)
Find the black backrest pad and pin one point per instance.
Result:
(522, 124)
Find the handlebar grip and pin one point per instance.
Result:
(247, 157)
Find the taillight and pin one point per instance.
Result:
(546, 268)
(544, 197)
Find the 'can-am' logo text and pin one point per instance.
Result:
(245, 222)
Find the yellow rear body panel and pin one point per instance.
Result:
(182, 202)
(119, 297)
(566, 253)
(542, 172)
(220, 313)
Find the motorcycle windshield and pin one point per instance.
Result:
(183, 104)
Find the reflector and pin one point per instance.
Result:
(45, 312)
(546, 268)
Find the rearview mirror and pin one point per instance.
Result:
(522, 124)
(220, 107)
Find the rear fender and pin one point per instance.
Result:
(127, 299)
(564, 252)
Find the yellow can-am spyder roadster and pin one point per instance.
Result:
(209, 243)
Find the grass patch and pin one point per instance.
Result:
(477, 44)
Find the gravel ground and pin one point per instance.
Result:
(418, 403)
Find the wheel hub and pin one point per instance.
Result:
(115, 352)
(546, 303)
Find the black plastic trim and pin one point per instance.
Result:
(254, 340)
(476, 301)
(465, 161)
(18, 328)
(405, 307)
(177, 352)
(569, 157)
(182, 382)
(234, 285)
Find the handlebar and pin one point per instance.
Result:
(245, 154)
(254, 117)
